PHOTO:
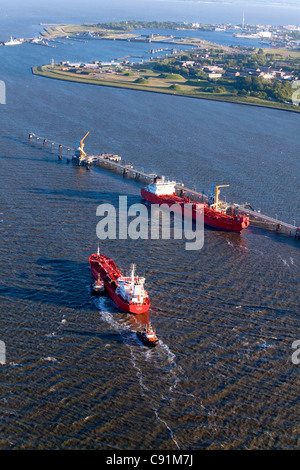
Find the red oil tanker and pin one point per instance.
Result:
(163, 192)
(128, 293)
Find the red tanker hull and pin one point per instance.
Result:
(212, 218)
(109, 273)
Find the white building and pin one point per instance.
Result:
(215, 75)
(265, 34)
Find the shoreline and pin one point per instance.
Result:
(135, 87)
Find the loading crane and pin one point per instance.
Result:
(79, 152)
(217, 192)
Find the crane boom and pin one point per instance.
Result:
(217, 192)
(84, 137)
(82, 153)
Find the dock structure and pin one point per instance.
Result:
(109, 162)
(256, 217)
(60, 147)
(115, 163)
(264, 221)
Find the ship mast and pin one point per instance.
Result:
(132, 272)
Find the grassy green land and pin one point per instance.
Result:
(119, 28)
(173, 74)
(148, 80)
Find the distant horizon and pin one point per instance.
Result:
(281, 3)
(18, 18)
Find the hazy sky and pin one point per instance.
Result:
(294, 3)
(15, 13)
(4, 3)
(39, 4)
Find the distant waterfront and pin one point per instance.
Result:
(206, 70)
(25, 20)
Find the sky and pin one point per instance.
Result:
(14, 13)
(41, 3)
(294, 3)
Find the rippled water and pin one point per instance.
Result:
(76, 375)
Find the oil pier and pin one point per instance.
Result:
(257, 219)
(115, 163)
(264, 221)
(53, 145)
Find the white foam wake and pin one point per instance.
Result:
(161, 354)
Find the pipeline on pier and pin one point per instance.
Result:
(116, 163)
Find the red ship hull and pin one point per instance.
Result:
(109, 273)
(212, 218)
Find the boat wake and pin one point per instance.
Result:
(154, 400)
(144, 361)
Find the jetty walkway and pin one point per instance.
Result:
(116, 163)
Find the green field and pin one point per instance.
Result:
(142, 80)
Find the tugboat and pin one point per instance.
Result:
(98, 286)
(148, 336)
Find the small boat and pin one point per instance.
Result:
(12, 42)
(148, 336)
(98, 286)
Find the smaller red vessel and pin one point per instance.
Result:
(128, 293)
